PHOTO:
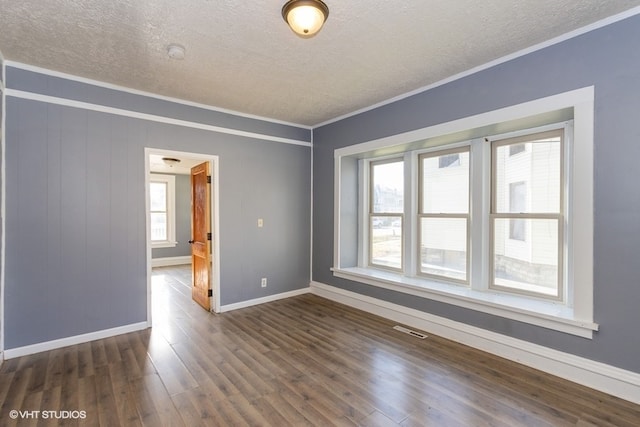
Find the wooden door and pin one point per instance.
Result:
(201, 235)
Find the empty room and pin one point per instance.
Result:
(305, 212)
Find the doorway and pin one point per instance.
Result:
(179, 164)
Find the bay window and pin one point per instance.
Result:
(493, 213)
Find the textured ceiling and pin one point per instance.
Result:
(241, 56)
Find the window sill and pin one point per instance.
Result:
(159, 245)
(540, 313)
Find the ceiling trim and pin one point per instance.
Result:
(146, 116)
(53, 73)
(556, 40)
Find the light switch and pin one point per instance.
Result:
(260, 223)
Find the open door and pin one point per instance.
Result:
(201, 235)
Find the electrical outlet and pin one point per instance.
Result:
(263, 282)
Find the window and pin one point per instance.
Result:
(386, 214)
(526, 215)
(443, 215)
(501, 224)
(162, 210)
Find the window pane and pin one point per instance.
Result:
(158, 226)
(158, 196)
(386, 241)
(530, 265)
(443, 247)
(387, 184)
(537, 172)
(445, 183)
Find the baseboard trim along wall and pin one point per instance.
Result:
(599, 376)
(169, 261)
(262, 300)
(77, 339)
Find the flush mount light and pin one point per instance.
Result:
(175, 51)
(305, 17)
(170, 161)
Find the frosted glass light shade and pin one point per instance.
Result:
(305, 17)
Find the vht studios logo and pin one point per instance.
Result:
(48, 415)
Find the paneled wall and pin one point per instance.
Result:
(76, 248)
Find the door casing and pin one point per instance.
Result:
(215, 220)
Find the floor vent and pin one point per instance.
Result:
(410, 332)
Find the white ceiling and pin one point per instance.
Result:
(183, 167)
(241, 56)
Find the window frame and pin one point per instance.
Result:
(170, 182)
(529, 137)
(445, 151)
(372, 213)
(576, 109)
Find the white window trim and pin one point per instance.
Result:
(170, 180)
(576, 317)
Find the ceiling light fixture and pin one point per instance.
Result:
(305, 17)
(170, 161)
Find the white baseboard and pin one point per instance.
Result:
(169, 261)
(599, 376)
(77, 339)
(270, 298)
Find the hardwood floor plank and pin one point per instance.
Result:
(31, 402)
(39, 363)
(85, 360)
(160, 407)
(145, 406)
(228, 413)
(17, 392)
(249, 413)
(55, 368)
(188, 412)
(6, 379)
(286, 410)
(98, 353)
(271, 416)
(88, 399)
(123, 393)
(174, 374)
(51, 401)
(139, 343)
(107, 408)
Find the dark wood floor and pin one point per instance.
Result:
(299, 361)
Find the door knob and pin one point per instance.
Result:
(191, 242)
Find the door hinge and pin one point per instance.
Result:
(210, 293)
(208, 179)
(208, 236)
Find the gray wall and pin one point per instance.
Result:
(75, 216)
(183, 220)
(1, 186)
(608, 58)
